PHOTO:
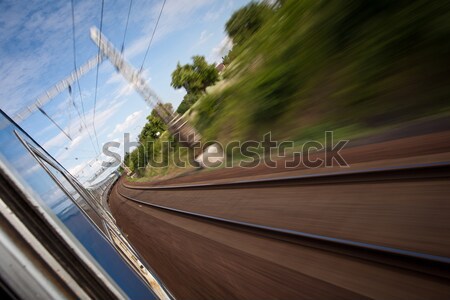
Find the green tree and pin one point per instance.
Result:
(188, 100)
(126, 160)
(138, 160)
(196, 77)
(151, 129)
(155, 124)
(164, 106)
(246, 21)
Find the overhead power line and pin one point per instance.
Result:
(96, 76)
(68, 112)
(96, 151)
(153, 34)
(54, 122)
(126, 27)
(75, 57)
(82, 120)
(55, 90)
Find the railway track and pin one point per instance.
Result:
(422, 262)
(402, 173)
(419, 264)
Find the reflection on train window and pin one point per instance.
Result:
(73, 193)
(65, 200)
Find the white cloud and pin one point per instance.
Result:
(77, 169)
(137, 47)
(63, 149)
(126, 90)
(76, 141)
(213, 14)
(204, 36)
(220, 50)
(127, 124)
(55, 142)
(115, 78)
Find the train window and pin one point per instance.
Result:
(55, 199)
(87, 205)
(75, 195)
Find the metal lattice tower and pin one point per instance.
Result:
(58, 88)
(178, 127)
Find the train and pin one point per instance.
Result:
(58, 239)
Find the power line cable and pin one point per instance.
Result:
(126, 27)
(153, 34)
(53, 121)
(96, 77)
(75, 57)
(69, 113)
(85, 126)
(83, 120)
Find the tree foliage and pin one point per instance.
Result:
(154, 125)
(138, 159)
(165, 106)
(151, 129)
(194, 78)
(246, 21)
(341, 63)
(188, 100)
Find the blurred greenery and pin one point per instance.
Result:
(246, 21)
(188, 100)
(299, 68)
(300, 65)
(150, 143)
(194, 78)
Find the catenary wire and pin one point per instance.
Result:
(96, 77)
(83, 120)
(153, 34)
(126, 27)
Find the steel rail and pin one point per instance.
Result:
(408, 172)
(434, 265)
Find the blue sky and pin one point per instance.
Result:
(36, 51)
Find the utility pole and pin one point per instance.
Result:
(177, 126)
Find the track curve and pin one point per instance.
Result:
(403, 271)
